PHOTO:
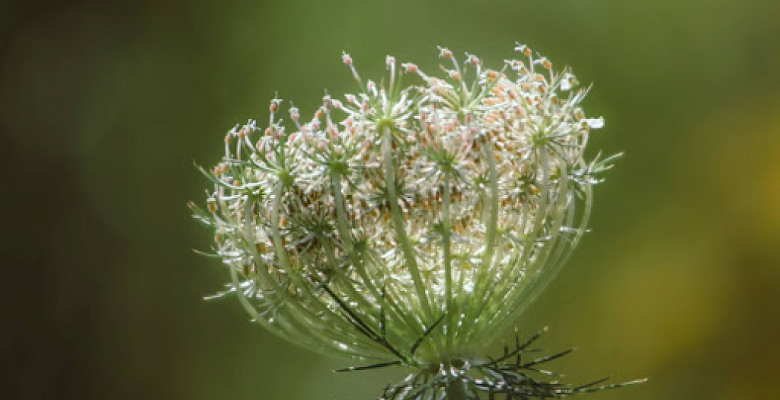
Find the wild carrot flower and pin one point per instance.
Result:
(411, 224)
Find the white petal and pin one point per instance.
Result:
(565, 83)
(595, 123)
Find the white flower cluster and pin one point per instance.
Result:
(407, 223)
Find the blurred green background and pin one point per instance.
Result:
(105, 105)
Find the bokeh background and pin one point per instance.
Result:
(105, 105)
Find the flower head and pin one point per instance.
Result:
(409, 224)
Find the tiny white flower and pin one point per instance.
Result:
(566, 82)
(346, 58)
(595, 123)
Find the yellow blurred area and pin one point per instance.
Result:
(104, 107)
(750, 162)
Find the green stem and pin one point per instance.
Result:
(482, 277)
(456, 390)
(398, 224)
(447, 244)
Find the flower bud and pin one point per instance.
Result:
(211, 204)
(346, 58)
(409, 67)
